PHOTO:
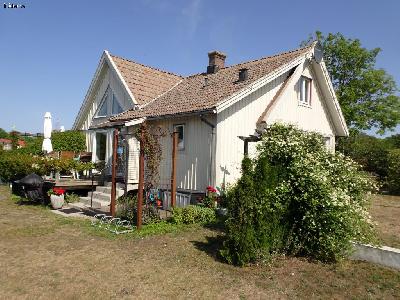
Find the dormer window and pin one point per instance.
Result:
(305, 91)
(109, 105)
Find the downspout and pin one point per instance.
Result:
(211, 175)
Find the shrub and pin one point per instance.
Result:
(394, 171)
(297, 198)
(193, 214)
(15, 165)
(127, 209)
(71, 198)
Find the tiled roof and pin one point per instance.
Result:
(144, 82)
(5, 141)
(192, 94)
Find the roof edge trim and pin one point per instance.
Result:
(119, 75)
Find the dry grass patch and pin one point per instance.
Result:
(385, 211)
(46, 256)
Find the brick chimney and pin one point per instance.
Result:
(216, 61)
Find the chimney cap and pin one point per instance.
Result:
(243, 74)
(216, 53)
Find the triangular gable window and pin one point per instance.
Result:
(116, 107)
(109, 105)
(102, 111)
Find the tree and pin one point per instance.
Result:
(367, 95)
(4, 134)
(393, 140)
(14, 136)
(368, 151)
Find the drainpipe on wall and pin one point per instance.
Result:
(212, 146)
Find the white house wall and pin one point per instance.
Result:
(193, 163)
(313, 118)
(240, 120)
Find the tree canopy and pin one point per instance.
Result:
(4, 134)
(367, 95)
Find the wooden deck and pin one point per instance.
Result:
(75, 184)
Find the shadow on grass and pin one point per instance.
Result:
(29, 202)
(211, 246)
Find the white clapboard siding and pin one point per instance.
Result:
(193, 163)
(315, 117)
(240, 120)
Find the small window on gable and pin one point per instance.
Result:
(181, 135)
(102, 112)
(116, 107)
(305, 90)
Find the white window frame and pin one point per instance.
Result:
(182, 146)
(305, 96)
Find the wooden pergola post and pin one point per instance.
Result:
(114, 173)
(141, 179)
(173, 173)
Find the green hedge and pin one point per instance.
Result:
(297, 198)
(193, 214)
(62, 141)
(15, 165)
(69, 141)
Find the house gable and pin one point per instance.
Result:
(311, 115)
(106, 77)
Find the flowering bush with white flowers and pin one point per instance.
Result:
(296, 197)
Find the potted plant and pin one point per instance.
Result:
(56, 197)
(210, 200)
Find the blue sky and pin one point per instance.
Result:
(50, 50)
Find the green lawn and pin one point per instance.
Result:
(46, 256)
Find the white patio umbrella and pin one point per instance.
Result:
(47, 128)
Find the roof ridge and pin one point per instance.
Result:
(254, 60)
(150, 67)
(271, 56)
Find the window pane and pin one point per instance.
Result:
(103, 110)
(101, 143)
(116, 108)
(181, 136)
(307, 91)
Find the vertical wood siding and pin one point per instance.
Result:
(313, 118)
(193, 163)
(240, 120)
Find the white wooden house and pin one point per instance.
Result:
(210, 109)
